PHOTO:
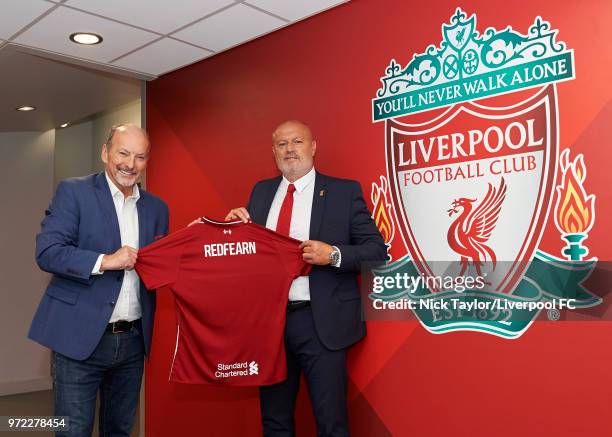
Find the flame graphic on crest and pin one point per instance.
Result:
(574, 210)
(382, 212)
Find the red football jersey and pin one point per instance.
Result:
(230, 282)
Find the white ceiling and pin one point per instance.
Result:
(145, 38)
(62, 92)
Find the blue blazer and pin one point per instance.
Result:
(80, 224)
(339, 217)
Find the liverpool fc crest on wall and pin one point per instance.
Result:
(474, 176)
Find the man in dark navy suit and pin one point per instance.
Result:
(95, 314)
(324, 312)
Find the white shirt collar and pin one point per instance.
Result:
(302, 182)
(114, 190)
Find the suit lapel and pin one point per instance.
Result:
(143, 237)
(108, 210)
(318, 205)
(268, 196)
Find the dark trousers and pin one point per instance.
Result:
(115, 369)
(325, 373)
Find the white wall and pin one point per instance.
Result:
(78, 147)
(73, 151)
(26, 187)
(31, 165)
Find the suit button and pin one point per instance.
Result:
(112, 303)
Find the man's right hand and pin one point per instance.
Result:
(123, 259)
(238, 213)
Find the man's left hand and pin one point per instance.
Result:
(316, 252)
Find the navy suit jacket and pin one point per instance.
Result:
(339, 217)
(80, 224)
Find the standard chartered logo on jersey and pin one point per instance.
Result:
(243, 368)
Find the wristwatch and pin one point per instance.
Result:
(334, 257)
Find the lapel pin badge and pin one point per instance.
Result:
(321, 193)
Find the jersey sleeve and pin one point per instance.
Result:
(291, 256)
(158, 263)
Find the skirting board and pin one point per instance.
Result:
(26, 386)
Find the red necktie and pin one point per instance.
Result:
(284, 216)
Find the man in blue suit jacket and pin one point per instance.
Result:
(324, 312)
(95, 315)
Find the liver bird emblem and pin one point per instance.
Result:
(470, 231)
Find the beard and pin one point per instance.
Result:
(125, 177)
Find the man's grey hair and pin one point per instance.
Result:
(114, 128)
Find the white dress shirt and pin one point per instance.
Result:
(300, 222)
(127, 306)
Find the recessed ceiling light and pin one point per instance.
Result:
(86, 38)
(25, 108)
(64, 124)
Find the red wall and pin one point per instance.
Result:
(210, 125)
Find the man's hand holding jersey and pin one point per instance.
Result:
(314, 252)
(122, 259)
